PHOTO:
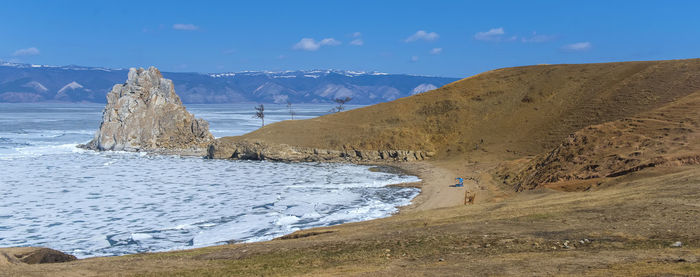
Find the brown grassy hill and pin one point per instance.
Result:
(667, 136)
(505, 113)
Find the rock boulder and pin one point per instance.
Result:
(145, 114)
(32, 255)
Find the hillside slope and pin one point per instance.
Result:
(501, 114)
(667, 136)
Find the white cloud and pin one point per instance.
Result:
(358, 41)
(436, 51)
(307, 44)
(310, 44)
(31, 51)
(427, 36)
(495, 34)
(579, 46)
(414, 59)
(536, 38)
(330, 41)
(185, 27)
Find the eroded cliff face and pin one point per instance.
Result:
(258, 150)
(145, 114)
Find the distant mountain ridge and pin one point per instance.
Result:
(42, 83)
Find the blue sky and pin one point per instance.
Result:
(439, 38)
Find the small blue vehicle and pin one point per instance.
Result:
(460, 182)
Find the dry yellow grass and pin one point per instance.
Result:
(665, 137)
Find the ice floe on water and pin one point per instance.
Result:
(87, 203)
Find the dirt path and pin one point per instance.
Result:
(435, 189)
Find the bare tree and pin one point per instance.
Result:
(260, 113)
(291, 110)
(341, 104)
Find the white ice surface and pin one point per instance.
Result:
(86, 203)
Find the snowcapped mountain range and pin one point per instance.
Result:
(42, 83)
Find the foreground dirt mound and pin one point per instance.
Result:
(501, 114)
(668, 136)
(32, 255)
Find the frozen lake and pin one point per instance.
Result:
(87, 203)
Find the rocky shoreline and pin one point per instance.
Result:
(258, 150)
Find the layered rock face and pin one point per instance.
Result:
(145, 114)
(257, 150)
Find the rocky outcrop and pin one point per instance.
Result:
(32, 255)
(145, 114)
(257, 150)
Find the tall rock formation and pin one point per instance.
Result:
(145, 114)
